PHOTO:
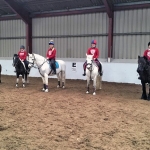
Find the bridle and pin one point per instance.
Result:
(91, 66)
(15, 64)
(32, 63)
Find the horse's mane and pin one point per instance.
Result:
(89, 56)
(39, 56)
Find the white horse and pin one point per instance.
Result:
(45, 69)
(92, 74)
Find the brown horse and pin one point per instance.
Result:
(0, 72)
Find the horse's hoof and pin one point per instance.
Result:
(63, 87)
(148, 98)
(46, 90)
(43, 90)
(23, 85)
(94, 93)
(87, 92)
(144, 96)
(58, 86)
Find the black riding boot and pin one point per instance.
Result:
(100, 70)
(84, 74)
(54, 69)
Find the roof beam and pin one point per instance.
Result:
(18, 10)
(71, 12)
(9, 18)
(131, 7)
(108, 9)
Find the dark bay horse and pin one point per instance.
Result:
(144, 73)
(20, 70)
(0, 72)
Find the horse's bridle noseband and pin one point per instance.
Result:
(35, 60)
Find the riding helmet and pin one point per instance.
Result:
(149, 44)
(22, 47)
(51, 42)
(93, 42)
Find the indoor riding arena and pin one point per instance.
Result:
(116, 118)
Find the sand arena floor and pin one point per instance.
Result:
(68, 119)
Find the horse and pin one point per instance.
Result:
(20, 70)
(144, 73)
(0, 72)
(92, 74)
(45, 70)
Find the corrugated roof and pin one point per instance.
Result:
(38, 6)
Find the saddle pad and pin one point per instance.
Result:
(56, 64)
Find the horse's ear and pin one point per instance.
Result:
(138, 57)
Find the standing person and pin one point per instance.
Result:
(93, 50)
(51, 55)
(23, 56)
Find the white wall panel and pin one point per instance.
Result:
(12, 28)
(132, 21)
(69, 34)
(8, 47)
(134, 28)
(129, 47)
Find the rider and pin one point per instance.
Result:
(147, 54)
(51, 55)
(93, 50)
(22, 56)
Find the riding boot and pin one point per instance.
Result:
(84, 74)
(54, 69)
(100, 70)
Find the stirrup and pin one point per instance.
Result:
(84, 74)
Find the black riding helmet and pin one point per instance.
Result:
(148, 44)
(22, 47)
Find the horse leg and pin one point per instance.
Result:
(63, 78)
(26, 78)
(0, 72)
(44, 85)
(148, 98)
(58, 77)
(94, 85)
(88, 83)
(46, 82)
(144, 96)
(17, 80)
(23, 80)
(100, 83)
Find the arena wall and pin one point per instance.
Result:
(119, 72)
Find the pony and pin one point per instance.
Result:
(0, 72)
(45, 70)
(144, 73)
(20, 70)
(92, 74)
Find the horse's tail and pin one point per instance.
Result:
(63, 75)
(99, 82)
